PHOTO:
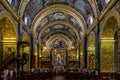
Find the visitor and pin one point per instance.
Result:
(5, 73)
(32, 70)
(1, 75)
(11, 73)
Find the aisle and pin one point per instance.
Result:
(59, 78)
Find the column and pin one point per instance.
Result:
(31, 51)
(97, 49)
(116, 52)
(38, 58)
(79, 56)
(85, 53)
(19, 60)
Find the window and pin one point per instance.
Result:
(10, 1)
(106, 1)
(90, 20)
(26, 20)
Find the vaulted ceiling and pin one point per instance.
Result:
(67, 19)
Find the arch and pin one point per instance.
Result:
(24, 3)
(58, 8)
(72, 38)
(108, 15)
(58, 36)
(22, 7)
(58, 22)
(94, 6)
(12, 21)
(7, 28)
(108, 46)
(9, 38)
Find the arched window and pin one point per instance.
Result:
(26, 20)
(90, 20)
(10, 1)
(106, 1)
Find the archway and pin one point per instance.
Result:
(8, 37)
(108, 53)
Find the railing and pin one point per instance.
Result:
(7, 61)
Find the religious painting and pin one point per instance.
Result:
(58, 43)
(45, 55)
(43, 22)
(57, 16)
(58, 26)
(72, 55)
(91, 60)
(74, 22)
(59, 57)
(33, 8)
(14, 4)
(83, 7)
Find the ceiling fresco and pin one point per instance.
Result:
(60, 28)
(58, 33)
(58, 43)
(34, 6)
(84, 12)
(59, 17)
(15, 4)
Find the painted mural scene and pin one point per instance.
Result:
(59, 39)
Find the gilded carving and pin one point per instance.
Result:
(91, 61)
(107, 58)
(7, 28)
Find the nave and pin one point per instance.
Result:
(66, 75)
(60, 39)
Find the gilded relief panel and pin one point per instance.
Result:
(8, 48)
(72, 55)
(8, 37)
(91, 60)
(107, 57)
(7, 28)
